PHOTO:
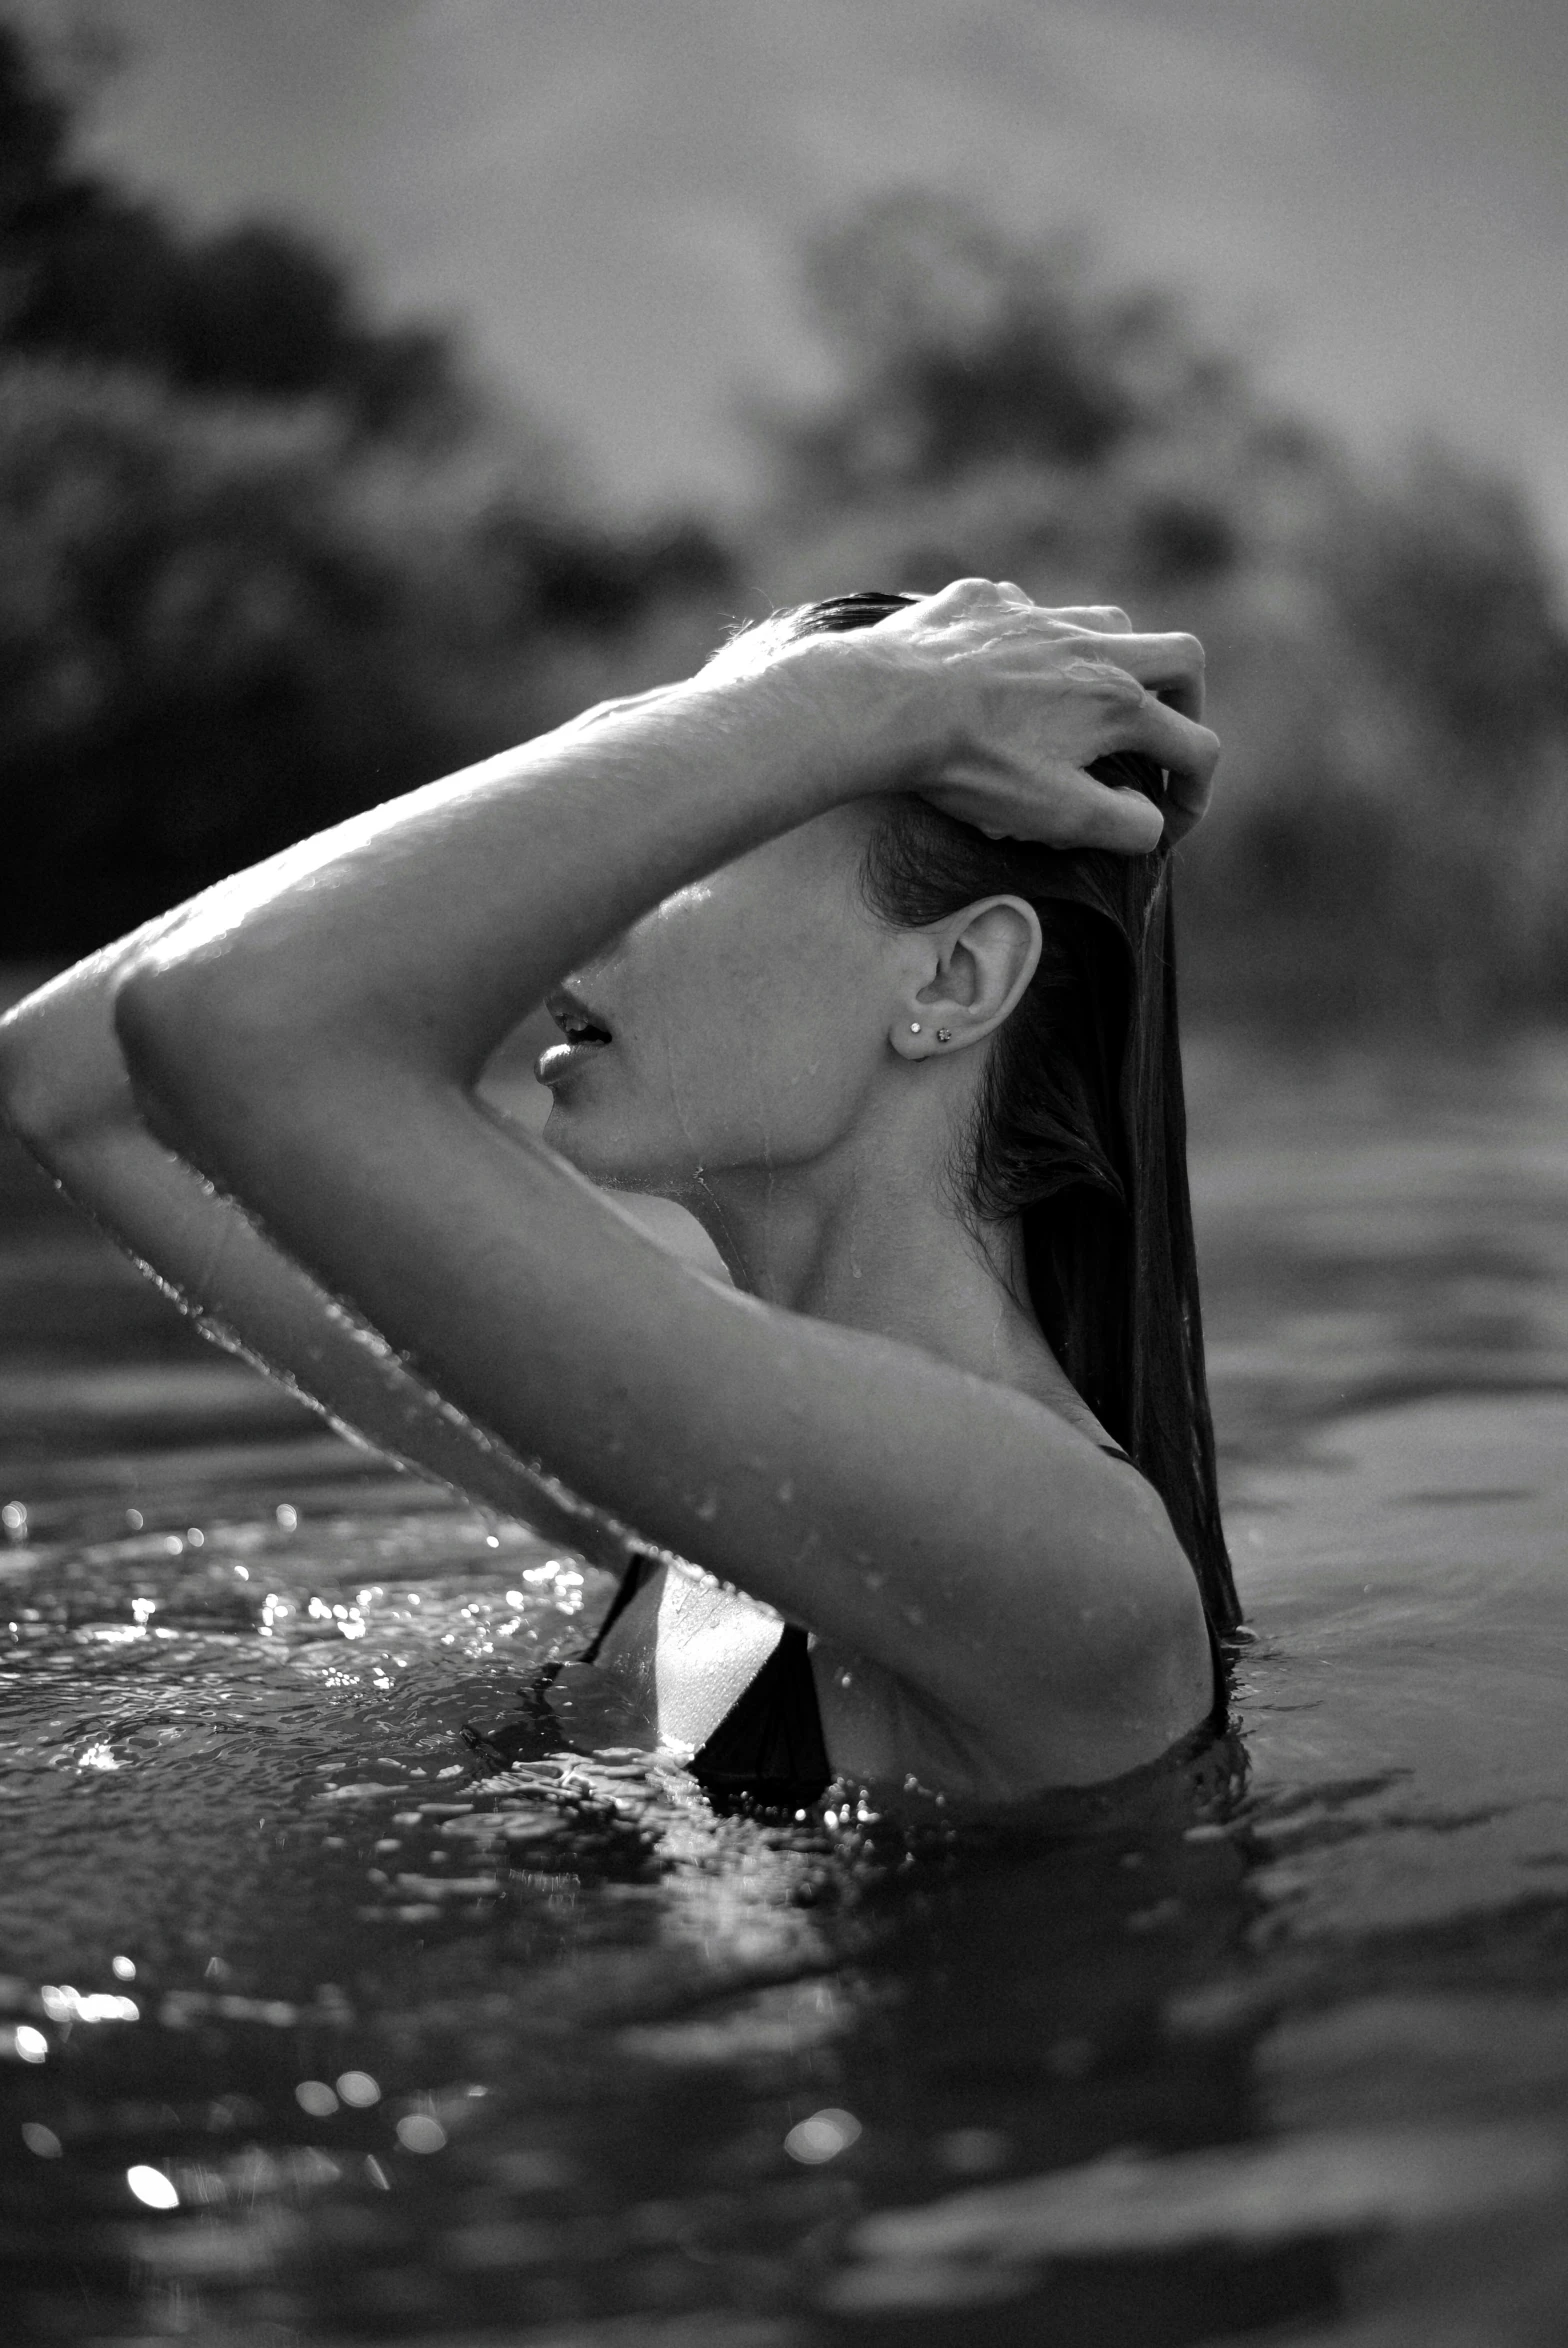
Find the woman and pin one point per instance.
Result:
(853, 956)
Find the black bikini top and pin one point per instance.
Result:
(768, 1752)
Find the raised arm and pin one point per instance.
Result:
(310, 1037)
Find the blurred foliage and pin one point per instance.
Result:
(1388, 661)
(89, 272)
(266, 563)
(269, 560)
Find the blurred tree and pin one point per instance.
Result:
(89, 272)
(213, 634)
(266, 562)
(959, 348)
(1388, 662)
(225, 624)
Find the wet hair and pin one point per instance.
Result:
(1080, 1127)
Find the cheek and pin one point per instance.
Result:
(751, 1020)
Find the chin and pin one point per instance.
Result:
(614, 1159)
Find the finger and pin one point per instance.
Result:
(970, 593)
(1186, 803)
(1186, 749)
(1171, 666)
(1101, 619)
(1090, 814)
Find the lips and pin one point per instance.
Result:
(586, 1032)
(578, 1021)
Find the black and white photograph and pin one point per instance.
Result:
(783, 1174)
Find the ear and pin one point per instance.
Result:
(977, 965)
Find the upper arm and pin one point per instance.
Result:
(951, 1528)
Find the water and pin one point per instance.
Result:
(1273, 2050)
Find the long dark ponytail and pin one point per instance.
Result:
(1081, 1127)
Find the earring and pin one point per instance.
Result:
(944, 1035)
(914, 1027)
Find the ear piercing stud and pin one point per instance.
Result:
(944, 1035)
(914, 1027)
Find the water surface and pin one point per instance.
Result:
(1271, 2049)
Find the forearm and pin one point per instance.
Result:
(65, 1090)
(425, 929)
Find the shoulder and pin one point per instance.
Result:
(1018, 1725)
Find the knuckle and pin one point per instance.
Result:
(1121, 693)
(1103, 680)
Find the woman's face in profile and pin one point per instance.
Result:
(739, 1024)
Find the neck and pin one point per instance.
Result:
(887, 1254)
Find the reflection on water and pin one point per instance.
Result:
(312, 2034)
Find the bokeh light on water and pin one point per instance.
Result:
(314, 2032)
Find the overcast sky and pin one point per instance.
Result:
(610, 195)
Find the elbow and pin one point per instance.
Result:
(47, 1097)
(216, 1061)
(148, 1017)
(25, 1092)
(185, 1053)
(166, 1040)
